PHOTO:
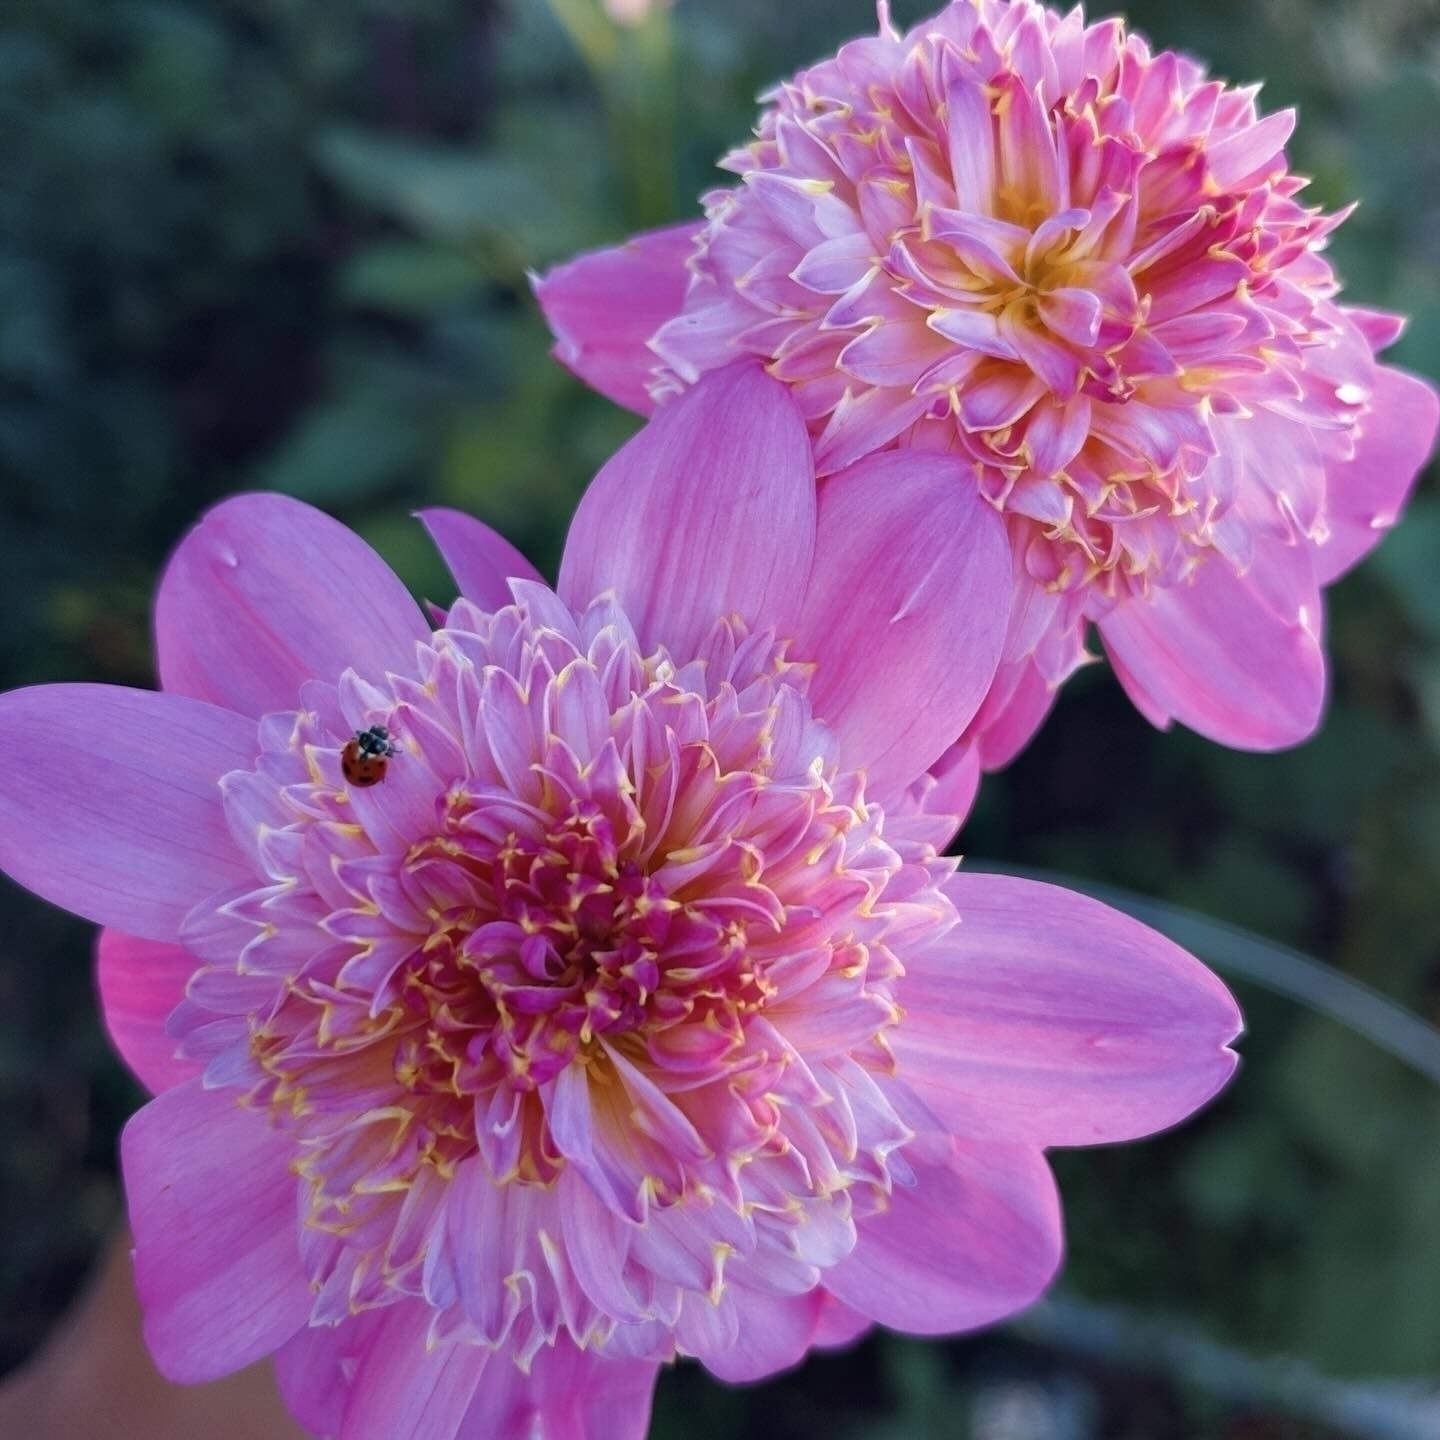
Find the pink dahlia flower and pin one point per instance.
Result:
(630, 1010)
(1084, 269)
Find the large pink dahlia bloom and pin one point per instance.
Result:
(633, 1013)
(1086, 270)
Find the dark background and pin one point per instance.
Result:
(275, 243)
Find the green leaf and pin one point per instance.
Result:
(346, 450)
(410, 278)
(444, 192)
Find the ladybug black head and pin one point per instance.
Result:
(375, 742)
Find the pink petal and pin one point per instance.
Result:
(999, 399)
(706, 337)
(110, 802)
(313, 1370)
(1072, 314)
(864, 423)
(776, 1331)
(839, 1325)
(1029, 166)
(973, 329)
(407, 1389)
(834, 266)
(900, 616)
(1243, 155)
(1217, 656)
(974, 1240)
(141, 982)
(971, 143)
(1052, 362)
(569, 1394)
(709, 511)
(213, 1208)
(603, 307)
(1056, 434)
(1380, 328)
(935, 805)
(1047, 1018)
(1005, 728)
(1365, 495)
(1159, 718)
(804, 212)
(480, 559)
(894, 354)
(266, 593)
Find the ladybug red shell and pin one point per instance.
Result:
(366, 758)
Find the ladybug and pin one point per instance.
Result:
(367, 757)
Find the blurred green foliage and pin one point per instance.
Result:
(269, 243)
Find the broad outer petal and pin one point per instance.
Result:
(906, 611)
(314, 1367)
(480, 559)
(604, 307)
(1365, 495)
(110, 801)
(1008, 721)
(776, 1332)
(1047, 1018)
(569, 1394)
(266, 593)
(974, 1240)
(937, 804)
(708, 512)
(140, 983)
(406, 1389)
(838, 1325)
(213, 1209)
(1216, 655)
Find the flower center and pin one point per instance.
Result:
(556, 937)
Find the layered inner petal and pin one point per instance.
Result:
(568, 1394)
(405, 1387)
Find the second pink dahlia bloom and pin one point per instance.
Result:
(634, 1012)
(1085, 269)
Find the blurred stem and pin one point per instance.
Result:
(634, 70)
(640, 98)
(1375, 1410)
(591, 32)
(1277, 968)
